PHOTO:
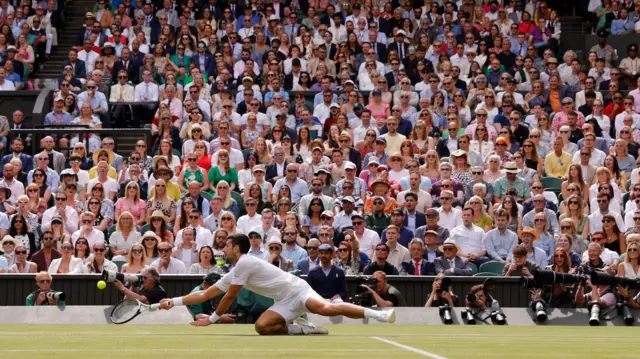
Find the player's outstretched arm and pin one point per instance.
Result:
(193, 298)
(222, 308)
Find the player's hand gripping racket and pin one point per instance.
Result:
(128, 309)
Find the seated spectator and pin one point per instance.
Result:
(450, 263)
(519, 266)
(380, 263)
(166, 264)
(275, 249)
(327, 279)
(418, 265)
(66, 264)
(97, 262)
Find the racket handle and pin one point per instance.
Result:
(153, 307)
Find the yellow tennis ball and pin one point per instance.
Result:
(102, 285)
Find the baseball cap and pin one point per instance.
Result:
(432, 212)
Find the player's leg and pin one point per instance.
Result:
(318, 305)
(271, 323)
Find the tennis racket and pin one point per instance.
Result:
(127, 309)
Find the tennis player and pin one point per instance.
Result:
(293, 296)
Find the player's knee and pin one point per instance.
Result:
(262, 328)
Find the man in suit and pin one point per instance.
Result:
(293, 77)
(86, 30)
(399, 44)
(203, 60)
(125, 63)
(418, 265)
(47, 254)
(278, 168)
(56, 159)
(156, 28)
(450, 263)
(121, 92)
(313, 261)
(17, 146)
(350, 154)
(616, 76)
(327, 279)
(413, 219)
(79, 67)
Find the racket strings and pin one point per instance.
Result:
(124, 311)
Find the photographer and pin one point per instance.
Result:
(519, 266)
(593, 259)
(207, 307)
(384, 294)
(150, 292)
(440, 296)
(626, 296)
(606, 259)
(482, 299)
(556, 295)
(603, 294)
(43, 296)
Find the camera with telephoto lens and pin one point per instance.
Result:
(601, 278)
(540, 309)
(625, 312)
(363, 298)
(59, 296)
(468, 316)
(498, 317)
(594, 313)
(548, 277)
(110, 277)
(445, 313)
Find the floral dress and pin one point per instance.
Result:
(157, 205)
(196, 175)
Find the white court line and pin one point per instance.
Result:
(191, 350)
(411, 349)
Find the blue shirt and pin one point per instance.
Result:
(299, 188)
(425, 183)
(295, 255)
(382, 160)
(499, 245)
(52, 179)
(52, 118)
(4, 264)
(618, 26)
(406, 235)
(98, 100)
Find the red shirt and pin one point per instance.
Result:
(609, 111)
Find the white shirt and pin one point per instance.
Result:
(96, 236)
(83, 176)
(146, 93)
(89, 58)
(235, 158)
(470, 240)
(424, 199)
(245, 223)
(607, 256)
(70, 224)
(619, 122)
(175, 267)
(262, 123)
(368, 242)
(263, 278)
(7, 86)
(322, 112)
(266, 237)
(398, 255)
(450, 220)
(110, 186)
(597, 157)
(203, 238)
(595, 221)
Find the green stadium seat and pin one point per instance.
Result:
(486, 274)
(474, 268)
(206, 195)
(238, 198)
(119, 263)
(492, 267)
(551, 183)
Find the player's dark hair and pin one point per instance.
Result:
(242, 241)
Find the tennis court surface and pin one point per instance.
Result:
(344, 341)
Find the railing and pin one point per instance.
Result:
(82, 290)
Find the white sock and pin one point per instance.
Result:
(370, 313)
(294, 329)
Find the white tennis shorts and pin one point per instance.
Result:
(294, 305)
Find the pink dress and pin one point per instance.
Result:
(378, 112)
(135, 211)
